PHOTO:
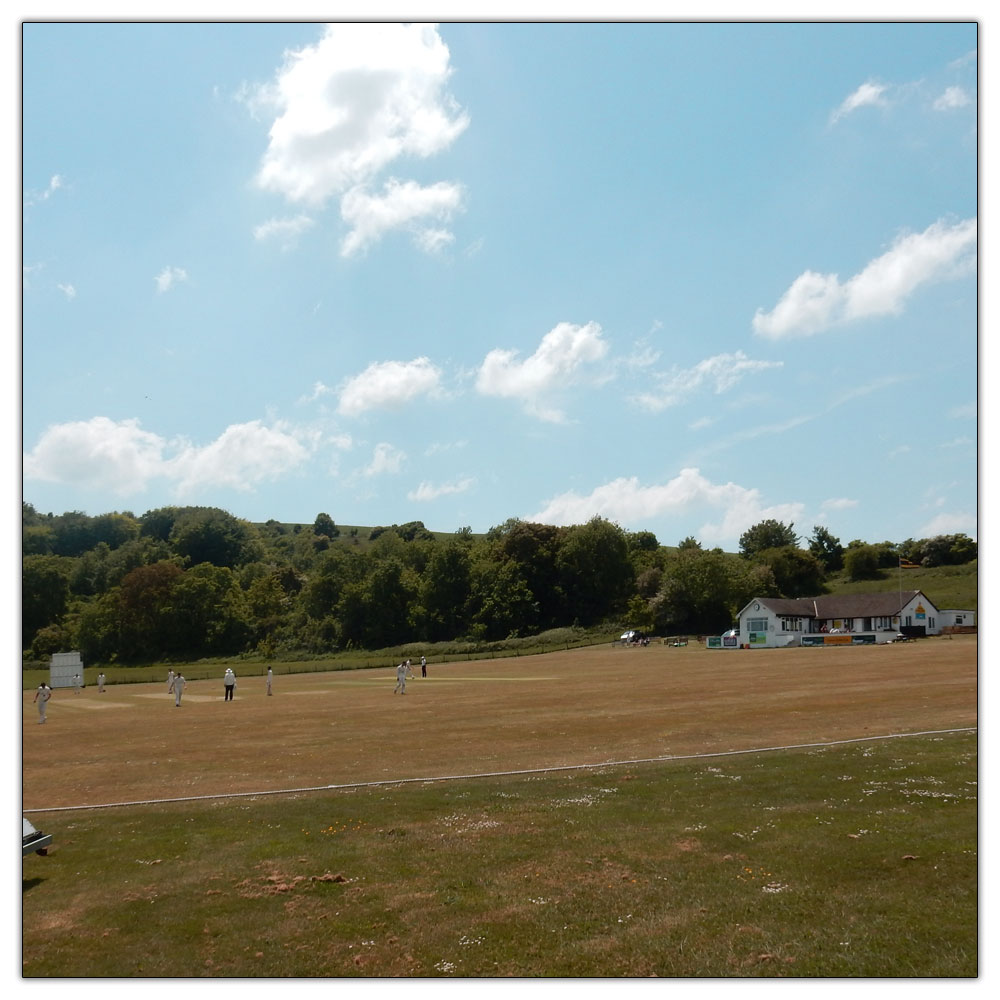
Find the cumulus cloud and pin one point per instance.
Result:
(952, 98)
(121, 456)
(285, 231)
(401, 205)
(386, 460)
(99, 452)
(559, 363)
(362, 98)
(242, 456)
(816, 302)
(68, 290)
(169, 277)
(627, 502)
(428, 491)
(869, 94)
(387, 385)
(720, 373)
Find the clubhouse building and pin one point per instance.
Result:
(840, 619)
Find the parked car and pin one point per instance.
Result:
(633, 635)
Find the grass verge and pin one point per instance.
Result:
(857, 860)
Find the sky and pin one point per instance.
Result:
(684, 276)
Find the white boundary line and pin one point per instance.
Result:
(494, 774)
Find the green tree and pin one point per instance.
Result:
(862, 562)
(114, 529)
(703, 591)
(827, 549)
(208, 534)
(797, 573)
(596, 573)
(44, 593)
(533, 549)
(145, 628)
(445, 589)
(323, 525)
(501, 601)
(642, 541)
(769, 534)
(207, 613)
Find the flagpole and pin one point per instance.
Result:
(900, 572)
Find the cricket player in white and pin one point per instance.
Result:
(42, 696)
(402, 672)
(100, 683)
(177, 685)
(270, 677)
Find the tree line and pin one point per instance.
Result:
(188, 582)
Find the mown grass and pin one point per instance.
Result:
(853, 860)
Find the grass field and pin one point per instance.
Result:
(847, 859)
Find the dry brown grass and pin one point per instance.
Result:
(559, 709)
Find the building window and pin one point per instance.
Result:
(884, 622)
(756, 624)
(930, 622)
(848, 624)
(791, 624)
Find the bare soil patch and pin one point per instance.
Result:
(586, 706)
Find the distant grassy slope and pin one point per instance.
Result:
(946, 586)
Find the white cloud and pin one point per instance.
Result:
(386, 460)
(950, 524)
(402, 205)
(442, 447)
(867, 95)
(959, 442)
(966, 411)
(120, 456)
(556, 365)
(68, 290)
(720, 372)
(839, 503)
(628, 503)
(387, 385)
(99, 452)
(816, 302)
(285, 231)
(428, 491)
(168, 277)
(243, 455)
(34, 197)
(318, 390)
(360, 99)
(952, 98)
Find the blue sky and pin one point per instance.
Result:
(684, 276)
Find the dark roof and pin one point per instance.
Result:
(845, 605)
